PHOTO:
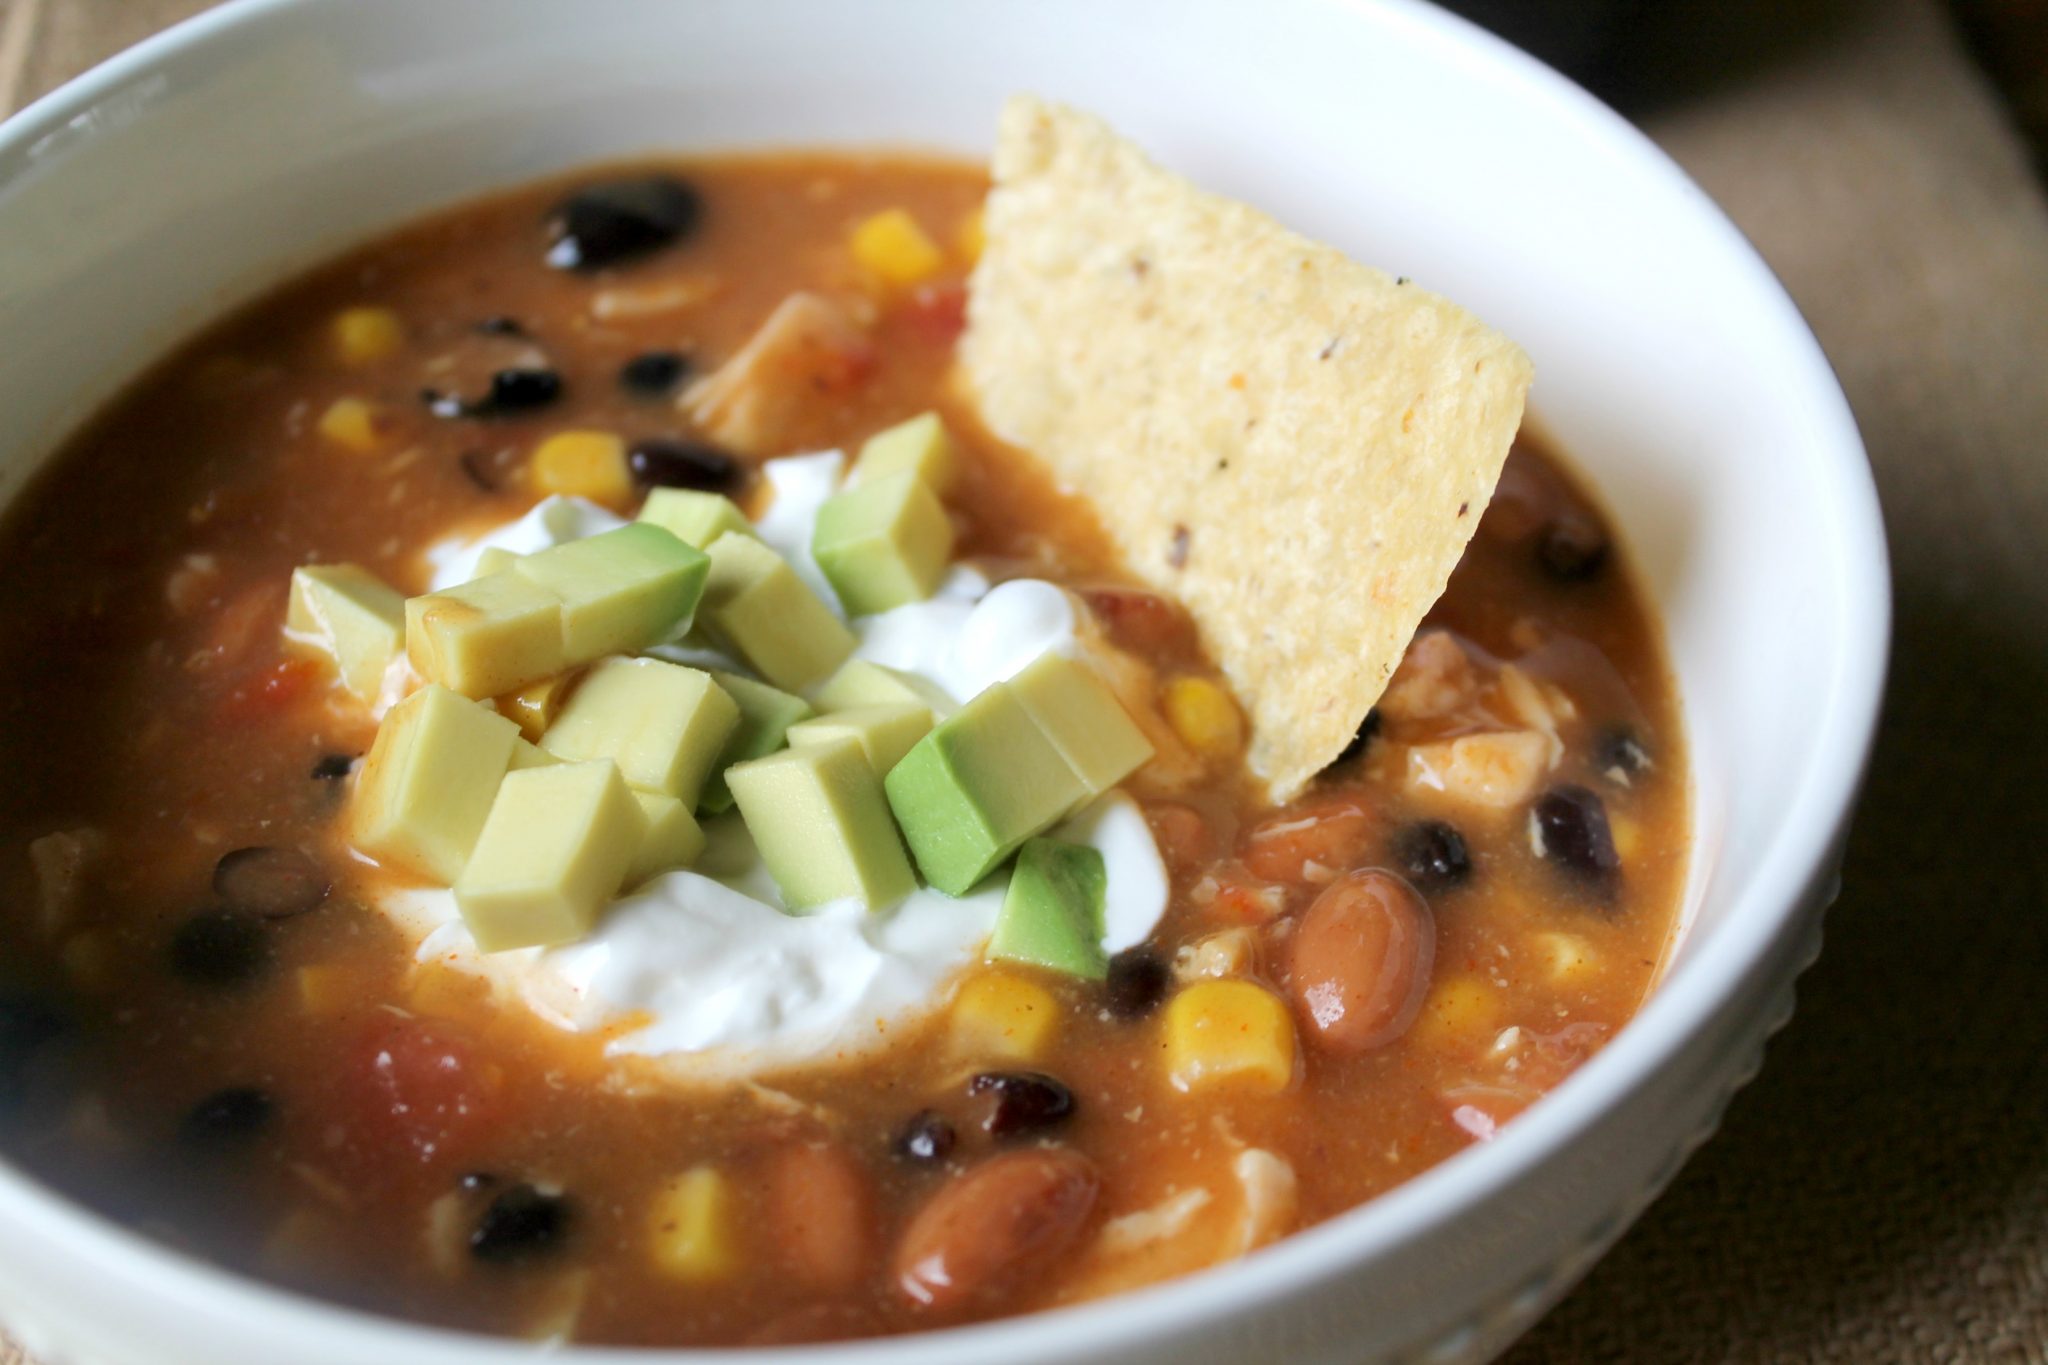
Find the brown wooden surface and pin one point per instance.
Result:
(1881, 1192)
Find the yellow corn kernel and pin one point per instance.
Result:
(893, 246)
(1003, 1014)
(364, 336)
(326, 989)
(1204, 716)
(971, 236)
(1460, 1012)
(439, 990)
(351, 424)
(583, 464)
(534, 706)
(1627, 836)
(1569, 959)
(691, 1232)
(1229, 1030)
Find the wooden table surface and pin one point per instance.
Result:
(1881, 1192)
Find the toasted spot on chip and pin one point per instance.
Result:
(1319, 432)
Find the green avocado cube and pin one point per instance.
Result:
(975, 788)
(621, 591)
(883, 543)
(1083, 719)
(671, 837)
(353, 617)
(756, 607)
(884, 733)
(494, 559)
(556, 847)
(693, 517)
(1052, 912)
(529, 755)
(429, 781)
(488, 636)
(662, 723)
(920, 446)
(766, 713)
(819, 819)
(860, 683)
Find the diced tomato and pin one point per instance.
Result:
(1138, 620)
(936, 313)
(271, 691)
(1241, 900)
(1182, 833)
(415, 1088)
(1312, 843)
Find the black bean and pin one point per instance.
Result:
(1367, 728)
(501, 325)
(512, 392)
(228, 1117)
(1433, 855)
(1137, 982)
(1617, 750)
(653, 374)
(520, 1223)
(332, 767)
(1572, 549)
(273, 882)
(662, 462)
(1025, 1102)
(620, 220)
(219, 948)
(926, 1139)
(1568, 825)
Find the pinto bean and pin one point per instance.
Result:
(822, 1209)
(1311, 841)
(1359, 962)
(997, 1224)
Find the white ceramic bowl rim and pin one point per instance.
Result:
(1799, 856)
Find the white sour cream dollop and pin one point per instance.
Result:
(710, 972)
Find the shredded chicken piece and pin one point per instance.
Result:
(809, 343)
(1435, 679)
(1271, 1198)
(1228, 952)
(62, 861)
(1499, 769)
(1170, 1217)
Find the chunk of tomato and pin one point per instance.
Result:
(416, 1093)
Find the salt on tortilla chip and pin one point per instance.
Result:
(1296, 446)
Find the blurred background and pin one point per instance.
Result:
(1880, 1193)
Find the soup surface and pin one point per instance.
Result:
(246, 1053)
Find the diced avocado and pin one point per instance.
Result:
(757, 608)
(486, 637)
(860, 683)
(353, 617)
(728, 849)
(692, 517)
(883, 543)
(494, 559)
(663, 724)
(529, 755)
(535, 705)
(885, 733)
(976, 787)
(554, 851)
(919, 445)
(621, 591)
(428, 782)
(1052, 913)
(671, 837)
(766, 713)
(1083, 719)
(819, 819)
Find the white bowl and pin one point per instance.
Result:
(145, 197)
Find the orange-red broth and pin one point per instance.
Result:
(151, 710)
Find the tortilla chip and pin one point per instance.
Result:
(1296, 446)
